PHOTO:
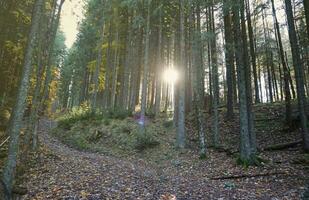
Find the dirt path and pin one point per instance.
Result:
(61, 172)
(65, 173)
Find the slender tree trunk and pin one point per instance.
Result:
(198, 81)
(181, 86)
(127, 67)
(19, 108)
(97, 70)
(246, 153)
(159, 68)
(51, 41)
(287, 93)
(115, 69)
(107, 93)
(215, 80)
(252, 52)
(229, 58)
(298, 74)
(146, 68)
(252, 136)
(306, 8)
(267, 52)
(289, 76)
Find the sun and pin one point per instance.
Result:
(170, 75)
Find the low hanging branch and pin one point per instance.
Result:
(4, 141)
(247, 175)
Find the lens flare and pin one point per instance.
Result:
(170, 75)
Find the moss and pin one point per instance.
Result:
(203, 156)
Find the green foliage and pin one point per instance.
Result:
(145, 140)
(168, 124)
(150, 114)
(118, 113)
(86, 130)
(106, 122)
(77, 114)
(203, 156)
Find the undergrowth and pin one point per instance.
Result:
(114, 131)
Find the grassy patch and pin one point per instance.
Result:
(116, 133)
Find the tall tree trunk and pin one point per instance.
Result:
(246, 153)
(252, 136)
(289, 76)
(181, 85)
(107, 93)
(146, 68)
(97, 70)
(34, 118)
(215, 80)
(229, 57)
(51, 41)
(252, 52)
(159, 68)
(287, 93)
(127, 67)
(306, 8)
(19, 108)
(268, 62)
(115, 71)
(298, 74)
(198, 80)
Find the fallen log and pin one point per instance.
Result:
(282, 146)
(247, 175)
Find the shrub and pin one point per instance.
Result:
(144, 141)
(107, 122)
(77, 114)
(168, 124)
(118, 113)
(150, 114)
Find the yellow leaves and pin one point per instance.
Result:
(92, 65)
(16, 48)
(84, 194)
(21, 16)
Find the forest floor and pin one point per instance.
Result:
(64, 171)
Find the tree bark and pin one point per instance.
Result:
(285, 68)
(146, 69)
(229, 58)
(181, 86)
(19, 108)
(298, 73)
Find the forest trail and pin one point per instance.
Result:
(66, 173)
(61, 172)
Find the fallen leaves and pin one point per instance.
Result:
(65, 173)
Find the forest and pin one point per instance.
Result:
(154, 99)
